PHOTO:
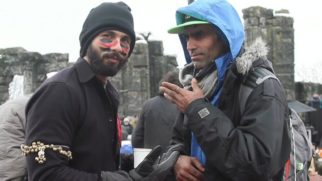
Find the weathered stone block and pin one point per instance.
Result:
(282, 21)
(170, 61)
(155, 48)
(5, 80)
(252, 21)
(12, 51)
(140, 48)
(262, 21)
(257, 11)
(139, 60)
(286, 68)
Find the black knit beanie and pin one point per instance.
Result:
(106, 16)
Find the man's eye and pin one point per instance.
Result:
(106, 40)
(126, 40)
(125, 45)
(198, 34)
(186, 37)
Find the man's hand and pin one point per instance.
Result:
(188, 169)
(152, 168)
(146, 166)
(140, 173)
(182, 97)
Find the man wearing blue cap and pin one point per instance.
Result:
(222, 140)
(72, 130)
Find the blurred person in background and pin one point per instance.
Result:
(155, 123)
(126, 124)
(12, 135)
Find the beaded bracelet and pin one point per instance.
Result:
(40, 148)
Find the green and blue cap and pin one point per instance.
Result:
(187, 21)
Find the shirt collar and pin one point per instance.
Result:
(84, 71)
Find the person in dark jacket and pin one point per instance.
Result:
(156, 119)
(72, 132)
(221, 141)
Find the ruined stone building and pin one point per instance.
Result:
(278, 32)
(276, 28)
(32, 65)
(138, 81)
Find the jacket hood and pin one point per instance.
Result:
(257, 50)
(222, 15)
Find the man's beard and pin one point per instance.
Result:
(97, 65)
(202, 64)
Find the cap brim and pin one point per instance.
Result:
(180, 28)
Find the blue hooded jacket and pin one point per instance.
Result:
(224, 17)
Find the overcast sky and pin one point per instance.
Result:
(54, 26)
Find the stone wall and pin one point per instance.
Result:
(139, 80)
(278, 32)
(32, 65)
(159, 65)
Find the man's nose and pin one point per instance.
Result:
(117, 46)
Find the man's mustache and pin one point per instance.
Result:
(114, 55)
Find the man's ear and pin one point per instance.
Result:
(222, 47)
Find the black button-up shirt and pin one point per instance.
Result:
(73, 109)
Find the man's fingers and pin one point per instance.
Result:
(197, 164)
(187, 176)
(186, 171)
(170, 93)
(154, 154)
(194, 85)
(171, 87)
(196, 173)
(175, 94)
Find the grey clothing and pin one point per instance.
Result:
(155, 124)
(12, 135)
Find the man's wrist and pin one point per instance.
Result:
(196, 103)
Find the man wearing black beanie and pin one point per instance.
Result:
(72, 127)
(107, 16)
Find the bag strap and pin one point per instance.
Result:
(287, 169)
(257, 76)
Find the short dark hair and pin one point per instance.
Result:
(171, 77)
